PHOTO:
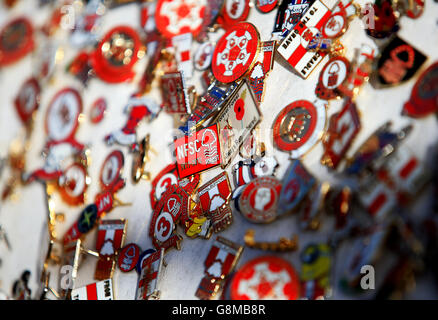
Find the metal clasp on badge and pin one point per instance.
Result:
(284, 244)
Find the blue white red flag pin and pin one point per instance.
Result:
(219, 264)
(289, 14)
(266, 6)
(214, 198)
(343, 128)
(424, 96)
(138, 107)
(102, 290)
(110, 238)
(293, 48)
(297, 182)
(151, 268)
(299, 126)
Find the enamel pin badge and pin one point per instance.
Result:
(16, 41)
(102, 290)
(151, 267)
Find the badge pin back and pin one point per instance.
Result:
(397, 62)
(282, 245)
(16, 40)
(299, 126)
(229, 67)
(275, 272)
(424, 96)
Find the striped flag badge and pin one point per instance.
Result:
(293, 46)
(102, 290)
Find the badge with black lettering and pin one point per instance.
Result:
(102, 290)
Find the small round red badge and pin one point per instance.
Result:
(28, 99)
(235, 52)
(128, 257)
(16, 41)
(266, 278)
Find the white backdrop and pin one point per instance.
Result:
(24, 218)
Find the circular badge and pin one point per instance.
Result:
(73, 184)
(203, 56)
(331, 77)
(62, 118)
(424, 96)
(112, 170)
(259, 199)
(87, 219)
(16, 41)
(97, 111)
(335, 26)
(28, 100)
(175, 17)
(234, 11)
(116, 55)
(128, 257)
(298, 127)
(235, 52)
(266, 278)
(266, 6)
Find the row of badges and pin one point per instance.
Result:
(215, 127)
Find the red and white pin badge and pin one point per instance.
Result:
(115, 56)
(128, 257)
(73, 184)
(110, 238)
(97, 111)
(28, 100)
(235, 52)
(16, 41)
(332, 75)
(102, 290)
(151, 266)
(267, 277)
(233, 11)
(266, 6)
(343, 128)
(203, 56)
(111, 172)
(259, 199)
(175, 17)
(174, 93)
(299, 126)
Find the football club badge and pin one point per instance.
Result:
(246, 170)
(116, 54)
(151, 268)
(182, 44)
(282, 245)
(257, 80)
(293, 46)
(73, 184)
(173, 204)
(110, 238)
(299, 126)
(297, 182)
(102, 290)
(233, 12)
(343, 128)
(97, 111)
(128, 257)
(259, 199)
(27, 101)
(236, 120)
(316, 269)
(360, 71)
(279, 278)
(214, 198)
(219, 264)
(424, 96)
(332, 75)
(174, 18)
(137, 108)
(385, 20)
(266, 6)
(288, 15)
(195, 223)
(62, 121)
(198, 151)
(398, 62)
(235, 52)
(16, 41)
(111, 172)
(174, 93)
(203, 56)
(86, 222)
(337, 24)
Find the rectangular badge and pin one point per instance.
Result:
(293, 49)
(110, 238)
(198, 151)
(236, 121)
(150, 272)
(102, 290)
(174, 93)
